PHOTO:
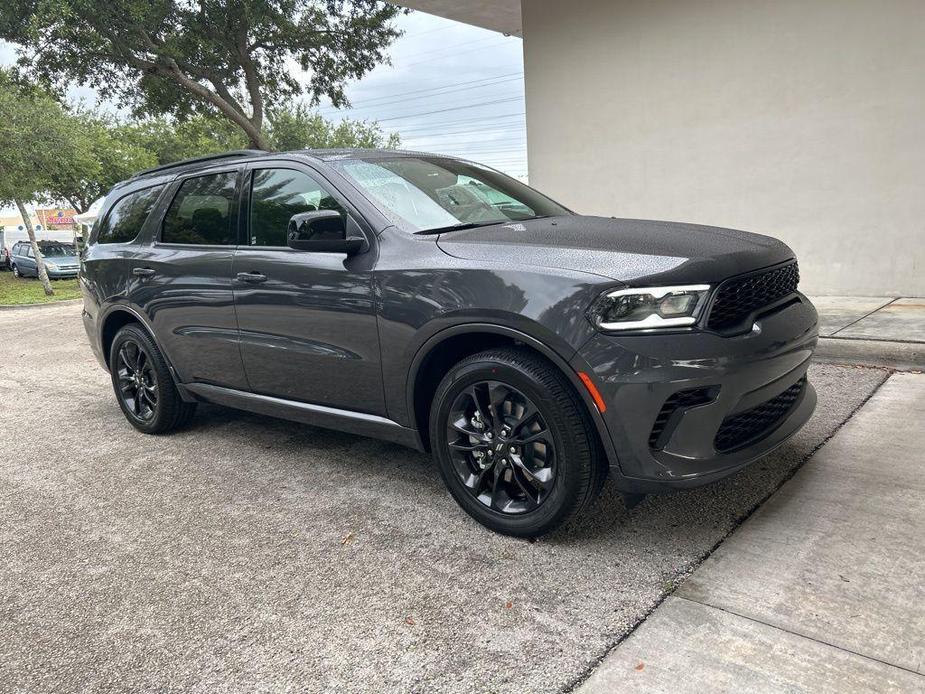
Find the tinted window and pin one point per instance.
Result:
(202, 212)
(276, 195)
(124, 220)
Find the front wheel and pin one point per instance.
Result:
(16, 272)
(514, 443)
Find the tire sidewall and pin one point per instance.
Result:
(565, 491)
(16, 273)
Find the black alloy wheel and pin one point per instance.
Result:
(514, 442)
(144, 387)
(501, 447)
(137, 380)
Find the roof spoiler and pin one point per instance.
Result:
(196, 160)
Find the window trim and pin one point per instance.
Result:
(285, 164)
(361, 222)
(94, 238)
(234, 213)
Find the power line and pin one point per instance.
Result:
(446, 110)
(444, 91)
(431, 31)
(450, 47)
(452, 123)
(471, 50)
(430, 89)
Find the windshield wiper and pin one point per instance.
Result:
(476, 225)
(457, 227)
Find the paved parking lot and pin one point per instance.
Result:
(251, 554)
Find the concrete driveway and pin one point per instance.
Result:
(248, 554)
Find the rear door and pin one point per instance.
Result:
(26, 261)
(307, 319)
(182, 279)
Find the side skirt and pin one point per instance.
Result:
(351, 422)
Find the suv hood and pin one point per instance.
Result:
(632, 251)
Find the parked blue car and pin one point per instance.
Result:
(61, 260)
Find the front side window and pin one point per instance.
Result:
(276, 195)
(127, 216)
(202, 212)
(420, 194)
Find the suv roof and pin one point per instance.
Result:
(319, 154)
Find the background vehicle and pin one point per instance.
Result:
(442, 305)
(61, 259)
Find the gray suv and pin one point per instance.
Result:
(439, 304)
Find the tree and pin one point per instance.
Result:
(36, 138)
(169, 141)
(196, 56)
(113, 155)
(300, 128)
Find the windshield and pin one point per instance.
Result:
(420, 194)
(57, 251)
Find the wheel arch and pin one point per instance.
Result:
(116, 318)
(448, 346)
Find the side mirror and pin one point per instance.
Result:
(322, 231)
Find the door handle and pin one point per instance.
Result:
(143, 272)
(251, 277)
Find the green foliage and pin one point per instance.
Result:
(169, 141)
(113, 156)
(180, 57)
(300, 128)
(39, 141)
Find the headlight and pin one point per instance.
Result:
(50, 266)
(650, 307)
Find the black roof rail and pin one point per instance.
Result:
(198, 160)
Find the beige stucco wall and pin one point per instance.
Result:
(803, 119)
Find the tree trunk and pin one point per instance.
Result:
(39, 261)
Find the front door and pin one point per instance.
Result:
(307, 320)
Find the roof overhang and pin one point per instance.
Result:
(497, 15)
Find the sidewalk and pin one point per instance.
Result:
(886, 331)
(820, 590)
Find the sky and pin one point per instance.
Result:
(451, 88)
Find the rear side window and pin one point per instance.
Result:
(126, 217)
(202, 212)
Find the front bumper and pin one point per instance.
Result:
(62, 274)
(637, 374)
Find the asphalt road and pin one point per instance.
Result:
(249, 554)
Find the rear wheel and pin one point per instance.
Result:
(143, 385)
(513, 442)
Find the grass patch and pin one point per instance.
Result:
(17, 292)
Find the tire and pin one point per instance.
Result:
(135, 378)
(16, 272)
(543, 483)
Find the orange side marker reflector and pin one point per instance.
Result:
(595, 395)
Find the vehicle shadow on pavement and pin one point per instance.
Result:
(702, 515)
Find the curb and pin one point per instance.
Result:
(48, 304)
(903, 356)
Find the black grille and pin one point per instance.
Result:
(746, 427)
(736, 299)
(679, 401)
